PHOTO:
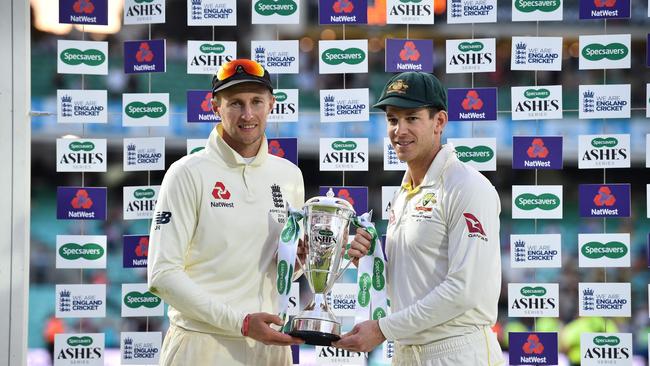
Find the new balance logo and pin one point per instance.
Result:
(163, 217)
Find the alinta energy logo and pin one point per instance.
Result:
(337, 56)
(529, 6)
(604, 197)
(537, 150)
(409, 52)
(136, 299)
(75, 56)
(544, 201)
(479, 154)
(613, 51)
(280, 7)
(82, 200)
(140, 109)
(597, 250)
(88, 251)
(221, 194)
(475, 227)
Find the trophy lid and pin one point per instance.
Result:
(329, 202)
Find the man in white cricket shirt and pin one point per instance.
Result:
(442, 242)
(214, 238)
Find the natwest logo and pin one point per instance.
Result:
(83, 12)
(537, 149)
(472, 101)
(604, 197)
(221, 194)
(82, 200)
(144, 56)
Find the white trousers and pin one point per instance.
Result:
(480, 348)
(183, 347)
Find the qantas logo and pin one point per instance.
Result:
(474, 226)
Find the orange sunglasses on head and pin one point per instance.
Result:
(231, 68)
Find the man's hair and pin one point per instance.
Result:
(240, 88)
(432, 111)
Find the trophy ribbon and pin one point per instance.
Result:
(371, 276)
(287, 248)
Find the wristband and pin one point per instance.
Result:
(244, 327)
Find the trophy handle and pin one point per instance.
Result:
(302, 270)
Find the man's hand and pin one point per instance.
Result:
(359, 246)
(259, 330)
(364, 337)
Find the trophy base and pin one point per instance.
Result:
(315, 338)
(316, 332)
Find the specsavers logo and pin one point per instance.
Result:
(470, 46)
(135, 299)
(544, 201)
(280, 7)
(344, 145)
(79, 341)
(88, 251)
(607, 341)
(613, 51)
(337, 56)
(546, 6)
(529, 291)
(597, 250)
(479, 154)
(90, 57)
(151, 109)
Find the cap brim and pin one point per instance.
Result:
(235, 82)
(399, 102)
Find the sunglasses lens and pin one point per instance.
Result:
(250, 67)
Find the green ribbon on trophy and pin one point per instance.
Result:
(287, 248)
(371, 276)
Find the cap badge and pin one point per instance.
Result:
(397, 86)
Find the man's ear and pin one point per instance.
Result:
(440, 119)
(215, 106)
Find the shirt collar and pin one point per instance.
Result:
(217, 146)
(434, 172)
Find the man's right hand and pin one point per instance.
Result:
(259, 329)
(359, 246)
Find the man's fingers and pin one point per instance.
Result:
(361, 231)
(274, 319)
(349, 342)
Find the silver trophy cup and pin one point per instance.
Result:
(327, 221)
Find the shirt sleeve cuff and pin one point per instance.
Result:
(384, 327)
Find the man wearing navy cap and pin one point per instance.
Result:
(214, 238)
(442, 242)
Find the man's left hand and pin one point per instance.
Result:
(364, 337)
